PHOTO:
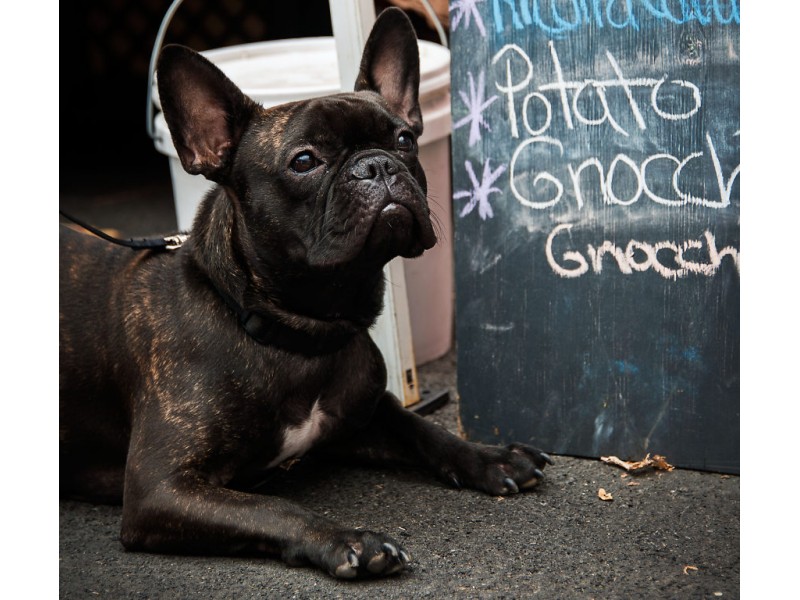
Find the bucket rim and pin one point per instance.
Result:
(434, 68)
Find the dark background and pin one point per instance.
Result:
(104, 56)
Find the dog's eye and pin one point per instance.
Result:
(304, 162)
(405, 141)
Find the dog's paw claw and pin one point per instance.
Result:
(390, 550)
(497, 470)
(349, 569)
(370, 554)
(377, 564)
(533, 481)
(387, 561)
(455, 480)
(510, 486)
(402, 559)
(352, 559)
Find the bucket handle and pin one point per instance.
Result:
(162, 31)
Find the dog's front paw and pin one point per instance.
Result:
(355, 554)
(365, 553)
(499, 471)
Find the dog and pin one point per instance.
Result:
(185, 374)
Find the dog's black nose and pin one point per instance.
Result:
(373, 167)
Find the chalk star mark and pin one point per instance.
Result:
(466, 9)
(479, 195)
(475, 104)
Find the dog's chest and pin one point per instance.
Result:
(298, 439)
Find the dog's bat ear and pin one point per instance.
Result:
(205, 111)
(390, 65)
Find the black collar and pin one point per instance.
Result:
(268, 330)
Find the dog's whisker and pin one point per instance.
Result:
(436, 222)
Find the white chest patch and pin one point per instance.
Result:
(298, 439)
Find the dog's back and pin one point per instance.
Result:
(95, 368)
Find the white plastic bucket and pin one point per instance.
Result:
(276, 72)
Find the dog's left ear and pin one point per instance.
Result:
(205, 111)
(390, 65)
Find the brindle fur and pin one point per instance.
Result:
(169, 406)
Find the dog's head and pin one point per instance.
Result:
(320, 183)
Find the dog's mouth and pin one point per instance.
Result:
(398, 227)
(375, 223)
(395, 211)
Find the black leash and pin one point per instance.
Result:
(265, 329)
(170, 242)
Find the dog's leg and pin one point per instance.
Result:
(397, 435)
(182, 509)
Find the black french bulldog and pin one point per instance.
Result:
(185, 373)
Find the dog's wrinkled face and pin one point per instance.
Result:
(322, 183)
(344, 171)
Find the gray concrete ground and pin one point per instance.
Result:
(664, 534)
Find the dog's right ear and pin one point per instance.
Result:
(205, 111)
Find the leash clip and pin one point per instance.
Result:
(173, 242)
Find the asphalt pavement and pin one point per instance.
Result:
(663, 535)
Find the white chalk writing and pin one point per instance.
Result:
(604, 178)
(565, 97)
(516, 60)
(546, 171)
(671, 260)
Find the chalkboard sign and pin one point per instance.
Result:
(596, 199)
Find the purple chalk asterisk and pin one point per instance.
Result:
(479, 195)
(475, 104)
(466, 9)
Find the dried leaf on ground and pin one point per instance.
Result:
(688, 568)
(656, 462)
(604, 495)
